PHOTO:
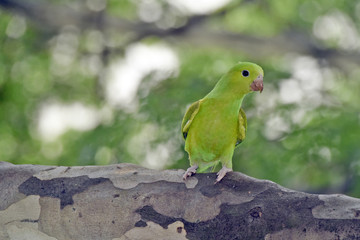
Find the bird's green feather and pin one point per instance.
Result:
(189, 116)
(242, 124)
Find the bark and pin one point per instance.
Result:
(125, 201)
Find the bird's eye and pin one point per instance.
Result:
(245, 73)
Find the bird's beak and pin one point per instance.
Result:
(257, 84)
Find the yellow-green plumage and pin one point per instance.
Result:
(215, 124)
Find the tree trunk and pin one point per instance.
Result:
(125, 201)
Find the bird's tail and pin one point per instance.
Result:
(214, 166)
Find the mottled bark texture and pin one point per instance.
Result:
(125, 201)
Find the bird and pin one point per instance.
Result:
(213, 126)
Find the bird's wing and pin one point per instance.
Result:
(242, 125)
(189, 116)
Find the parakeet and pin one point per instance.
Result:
(214, 125)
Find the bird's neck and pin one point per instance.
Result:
(227, 102)
(224, 92)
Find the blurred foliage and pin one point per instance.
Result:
(303, 129)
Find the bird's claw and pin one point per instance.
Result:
(190, 171)
(222, 173)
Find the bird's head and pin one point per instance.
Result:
(246, 77)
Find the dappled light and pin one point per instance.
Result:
(16, 27)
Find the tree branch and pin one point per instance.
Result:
(126, 201)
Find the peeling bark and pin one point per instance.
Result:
(125, 201)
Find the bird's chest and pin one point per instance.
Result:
(216, 125)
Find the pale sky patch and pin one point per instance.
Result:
(275, 127)
(56, 118)
(338, 28)
(290, 91)
(199, 6)
(125, 75)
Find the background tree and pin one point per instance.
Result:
(101, 82)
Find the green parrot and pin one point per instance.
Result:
(214, 125)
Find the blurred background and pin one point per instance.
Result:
(96, 82)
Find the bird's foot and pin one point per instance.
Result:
(190, 171)
(222, 173)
